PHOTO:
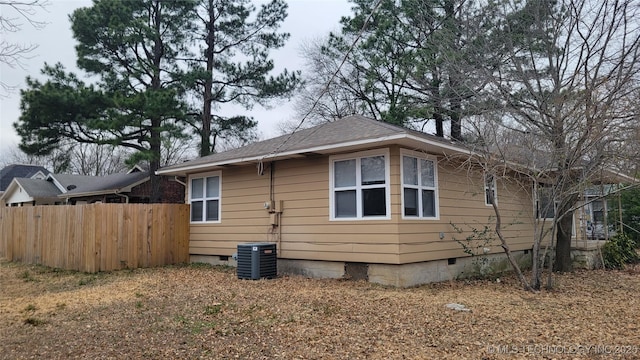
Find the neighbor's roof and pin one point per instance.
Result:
(69, 182)
(350, 133)
(107, 184)
(38, 188)
(12, 171)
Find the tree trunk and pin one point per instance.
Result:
(155, 140)
(505, 246)
(453, 38)
(535, 263)
(562, 261)
(456, 122)
(439, 127)
(206, 147)
(154, 164)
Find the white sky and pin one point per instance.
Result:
(307, 20)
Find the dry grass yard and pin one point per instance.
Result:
(200, 312)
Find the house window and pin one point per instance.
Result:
(360, 186)
(545, 205)
(490, 189)
(419, 187)
(204, 197)
(597, 207)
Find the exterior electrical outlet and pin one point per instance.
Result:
(257, 260)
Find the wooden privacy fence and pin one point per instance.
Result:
(96, 237)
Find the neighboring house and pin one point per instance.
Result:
(12, 171)
(55, 189)
(593, 217)
(29, 192)
(47, 191)
(352, 198)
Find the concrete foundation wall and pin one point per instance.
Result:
(405, 275)
(213, 260)
(312, 269)
(408, 275)
(586, 259)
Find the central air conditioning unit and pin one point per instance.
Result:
(257, 261)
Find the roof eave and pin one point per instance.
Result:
(323, 149)
(614, 177)
(88, 193)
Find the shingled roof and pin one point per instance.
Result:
(107, 184)
(12, 171)
(72, 181)
(38, 188)
(349, 133)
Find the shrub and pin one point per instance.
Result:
(618, 251)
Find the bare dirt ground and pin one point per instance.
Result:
(200, 312)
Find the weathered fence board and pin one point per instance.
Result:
(96, 237)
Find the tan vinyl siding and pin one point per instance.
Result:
(462, 205)
(242, 214)
(306, 231)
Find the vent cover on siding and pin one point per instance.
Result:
(257, 260)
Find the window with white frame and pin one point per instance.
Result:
(204, 197)
(419, 187)
(360, 186)
(490, 189)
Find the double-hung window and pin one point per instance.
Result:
(490, 189)
(419, 187)
(360, 186)
(204, 197)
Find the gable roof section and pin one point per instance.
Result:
(36, 189)
(12, 171)
(348, 134)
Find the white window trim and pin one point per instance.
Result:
(538, 211)
(387, 185)
(204, 176)
(485, 188)
(419, 155)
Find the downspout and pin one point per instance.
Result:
(176, 179)
(179, 182)
(126, 197)
(277, 211)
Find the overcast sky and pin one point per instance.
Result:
(307, 20)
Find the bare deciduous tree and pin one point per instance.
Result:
(13, 16)
(566, 91)
(329, 91)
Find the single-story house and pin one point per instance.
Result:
(28, 192)
(57, 189)
(352, 198)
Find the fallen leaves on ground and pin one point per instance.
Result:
(202, 312)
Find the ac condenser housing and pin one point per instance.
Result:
(257, 261)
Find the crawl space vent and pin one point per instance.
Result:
(257, 261)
